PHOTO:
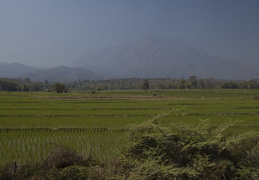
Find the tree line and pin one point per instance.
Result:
(8, 84)
(192, 82)
(165, 83)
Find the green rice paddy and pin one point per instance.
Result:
(32, 123)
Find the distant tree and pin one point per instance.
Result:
(242, 85)
(8, 85)
(209, 83)
(25, 88)
(200, 84)
(59, 88)
(192, 82)
(229, 85)
(145, 85)
(37, 86)
(252, 84)
(182, 83)
(162, 85)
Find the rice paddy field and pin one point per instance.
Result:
(32, 123)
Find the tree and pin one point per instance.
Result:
(8, 85)
(182, 83)
(252, 84)
(229, 85)
(60, 88)
(145, 85)
(192, 82)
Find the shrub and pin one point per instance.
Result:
(203, 153)
(62, 157)
(62, 163)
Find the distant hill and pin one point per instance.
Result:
(13, 70)
(62, 74)
(58, 74)
(153, 57)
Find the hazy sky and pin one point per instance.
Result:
(53, 32)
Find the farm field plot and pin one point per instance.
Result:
(32, 123)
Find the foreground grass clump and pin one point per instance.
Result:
(203, 152)
(62, 163)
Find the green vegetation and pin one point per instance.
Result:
(60, 88)
(155, 84)
(132, 131)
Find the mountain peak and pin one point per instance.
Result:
(156, 56)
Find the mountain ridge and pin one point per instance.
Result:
(148, 57)
(62, 74)
(56, 74)
(152, 57)
(13, 70)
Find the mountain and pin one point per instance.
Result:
(162, 57)
(57, 74)
(61, 74)
(13, 70)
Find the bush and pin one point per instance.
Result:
(60, 88)
(62, 157)
(203, 153)
(62, 163)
